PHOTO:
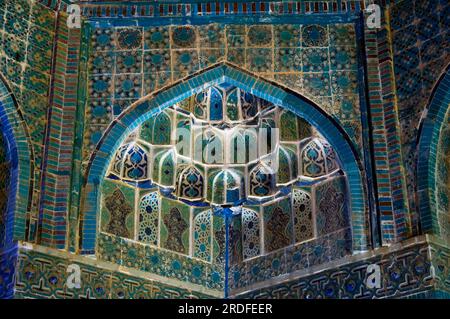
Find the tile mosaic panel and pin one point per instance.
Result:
(421, 53)
(278, 225)
(25, 59)
(127, 63)
(160, 261)
(117, 216)
(202, 234)
(8, 260)
(175, 221)
(289, 259)
(303, 219)
(332, 209)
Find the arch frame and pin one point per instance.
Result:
(19, 154)
(433, 118)
(221, 72)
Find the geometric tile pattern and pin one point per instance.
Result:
(161, 262)
(43, 274)
(295, 257)
(26, 37)
(324, 69)
(421, 52)
(405, 273)
(65, 87)
(331, 240)
(390, 196)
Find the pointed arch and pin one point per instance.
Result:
(225, 187)
(190, 184)
(224, 72)
(215, 105)
(287, 165)
(21, 158)
(117, 163)
(212, 147)
(164, 168)
(235, 152)
(318, 159)
(157, 130)
(233, 110)
(131, 162)
(261, 181)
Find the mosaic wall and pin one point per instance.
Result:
(313, 217)
(127, 63)
(440, 257)
(8, 258)
(43, 275)
(27, 34)
(420, 47)
(162, 262)
(164, 213)
(405, 273)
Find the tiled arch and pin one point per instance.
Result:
(20, 157)
(431, 128)
(150, 105)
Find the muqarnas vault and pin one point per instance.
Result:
(233, 149)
